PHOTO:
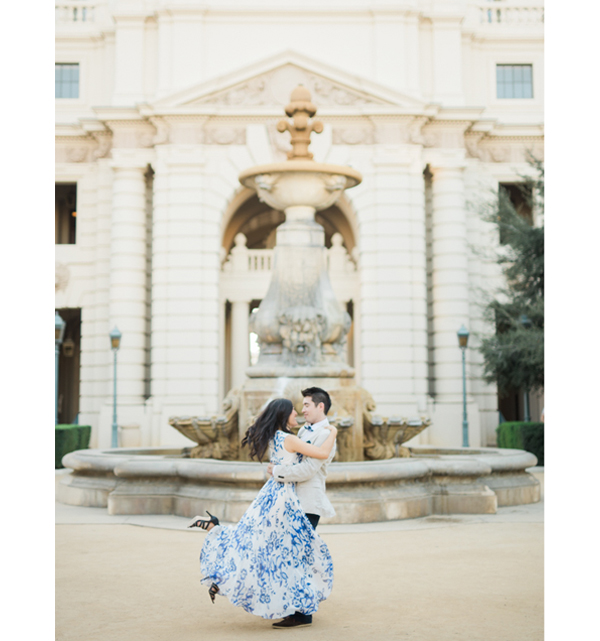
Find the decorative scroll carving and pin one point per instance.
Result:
(334, 182)
(353, 136)
(216, 436)
(162, 131)
(265, 182)
(268, 88)
(447, 134)
(73, 149)
(472, 140)
(329, 93)
(145, 139)
(301, 329)
(415, 130)
(514, 150)
(431, 139)
(225, 136)
(383, 436)
(248, 93)
(132, 134)
(61, 276)
(77, 154)
(499, 154)
(104, 140)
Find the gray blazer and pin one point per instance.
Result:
(309, 476)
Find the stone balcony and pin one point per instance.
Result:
(82, 16)
(504, 13)
(246, 273)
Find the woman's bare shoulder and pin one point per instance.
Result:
(290, 440)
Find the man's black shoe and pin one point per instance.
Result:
(304, 618)
(293, 622)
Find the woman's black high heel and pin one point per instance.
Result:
(213, 591)
(203, 523)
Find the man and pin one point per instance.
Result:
(309, 475)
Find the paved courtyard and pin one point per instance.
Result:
(470, 577)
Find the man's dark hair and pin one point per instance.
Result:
(318, 395)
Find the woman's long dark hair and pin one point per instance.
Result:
(274, 417)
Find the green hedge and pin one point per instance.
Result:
(68, 439)
(522, 436)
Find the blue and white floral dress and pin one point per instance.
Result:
(272, 563)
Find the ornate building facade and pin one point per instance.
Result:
(161, 104)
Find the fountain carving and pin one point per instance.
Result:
(301, 330)
(300, 325)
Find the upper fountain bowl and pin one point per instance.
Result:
(299, 181)
(296, 183)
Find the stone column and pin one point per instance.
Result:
(392, 276)
(450, 294)
(95, 353)
(185, 276)
(240, 347)
(240, 312)
(127, 300)
(482, 264)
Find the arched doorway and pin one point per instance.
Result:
(258, 222)
(248, 238)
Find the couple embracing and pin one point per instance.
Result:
(273, 563)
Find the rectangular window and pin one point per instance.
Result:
(65, 212)
(521, 197)
(514, 81)
(66, 80)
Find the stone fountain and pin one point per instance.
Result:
(301, 331)
(301, 327)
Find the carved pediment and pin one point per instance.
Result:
(270, 83)
(273, 89)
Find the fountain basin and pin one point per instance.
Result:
(299, 183)
(431, 481)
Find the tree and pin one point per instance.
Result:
(514, 356)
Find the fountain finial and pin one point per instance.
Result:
(300, 110)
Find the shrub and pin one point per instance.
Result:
(522, 436)
(69, 438)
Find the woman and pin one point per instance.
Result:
(272, 563)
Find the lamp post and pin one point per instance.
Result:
(115, 341)
(526, 322)
(463, 339)
(59, 333)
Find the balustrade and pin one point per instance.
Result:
(490, 12)
(74, 12)
(261, 260)
(499, 12)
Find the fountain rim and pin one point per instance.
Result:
(302, 166)
(142, 462)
